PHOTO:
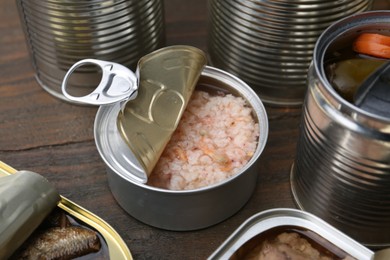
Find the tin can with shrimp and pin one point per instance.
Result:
(129, 138)
(179, 209)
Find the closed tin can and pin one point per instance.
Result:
(269, 43)
(59, 33)
(263, 228)
(178, 209)
(342, 167)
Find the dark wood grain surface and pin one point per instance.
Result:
(41, 133)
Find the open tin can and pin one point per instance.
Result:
(112, 245)
(289, 227)
(178, 209)
(170, 209)
(342, 168)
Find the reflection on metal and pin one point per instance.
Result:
(269, 44)
(167, 78)
(341, 171)
(116, 246)
(60, 33)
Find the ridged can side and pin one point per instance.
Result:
(342, 168)
(269, 44)
(58, 34)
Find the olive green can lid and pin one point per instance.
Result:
(26, 198)
(167, 78)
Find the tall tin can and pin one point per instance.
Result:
(269, 43)
(60, 33)
(342, 167)
(44, 215)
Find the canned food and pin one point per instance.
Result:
(289, 232)
(186, 189)
(26, 198)
(179, 209)
(342, 168)
(69, 225)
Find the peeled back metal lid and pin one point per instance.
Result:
(167, 79)
(156, 97)
(26, 198)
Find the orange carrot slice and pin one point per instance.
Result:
(373, 44)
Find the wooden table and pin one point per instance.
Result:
(43, 134)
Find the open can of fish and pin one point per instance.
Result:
(289, 234)
(269, 43)
(65, 232)
(180, 209)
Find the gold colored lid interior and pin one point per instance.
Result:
(167, 78)
(26, 198)
(117, 247)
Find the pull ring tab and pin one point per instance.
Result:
(118, 83)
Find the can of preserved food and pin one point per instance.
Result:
(67, 231)
(59, 33)
(180, 209)
(185, 139)
(342, 168)
(26, 198)
(269, 43)
(283, 233)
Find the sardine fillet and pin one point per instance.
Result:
(62, 243)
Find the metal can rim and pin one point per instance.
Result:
(278, 217)
(108, 111)
(342, 27)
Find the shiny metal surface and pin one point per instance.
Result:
(152, 99)
(280, 217)
(117, 248)
(118, 83)
(342, 168)
(166, 78)
(177, 210)
(269, 44)
(59, 33)
(26, 198)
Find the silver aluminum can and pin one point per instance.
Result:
(60, 33)
(179, 209)
(342, 167)
(269, 43)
